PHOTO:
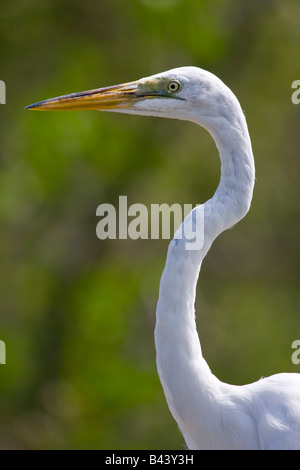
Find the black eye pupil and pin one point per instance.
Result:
(174, 86)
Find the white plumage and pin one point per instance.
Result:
(210, 414)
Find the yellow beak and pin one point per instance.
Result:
(112, 97)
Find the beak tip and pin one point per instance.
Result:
(35, 105)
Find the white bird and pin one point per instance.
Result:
(210, 414)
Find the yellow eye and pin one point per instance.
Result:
(173, 86)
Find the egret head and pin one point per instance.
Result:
(187, 93)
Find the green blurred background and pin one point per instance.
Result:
(77, 313)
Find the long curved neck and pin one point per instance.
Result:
(190, 387)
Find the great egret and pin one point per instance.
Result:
(210, 414)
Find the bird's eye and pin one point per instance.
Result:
(173, 86)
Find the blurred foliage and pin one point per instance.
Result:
(77, 313)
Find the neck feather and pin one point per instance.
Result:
(187, 380)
